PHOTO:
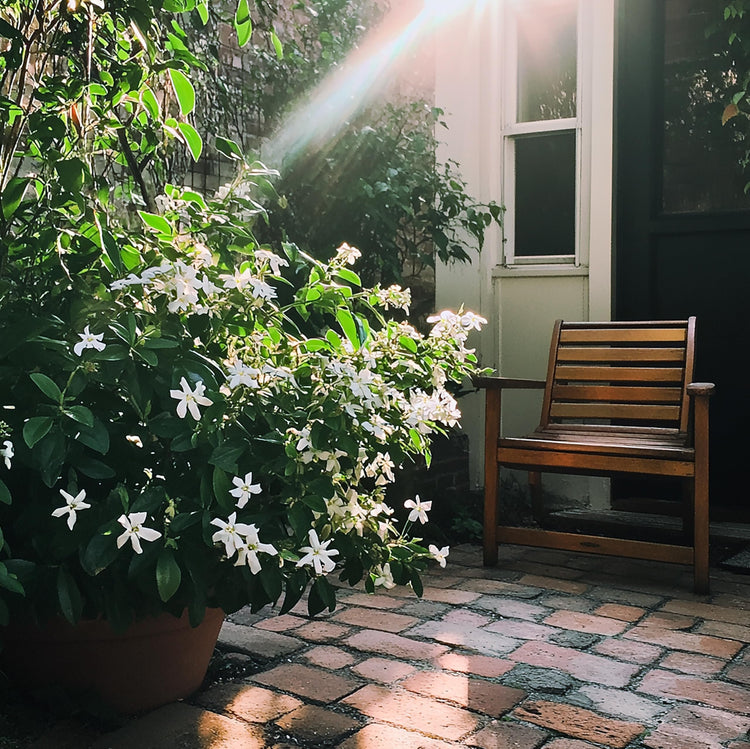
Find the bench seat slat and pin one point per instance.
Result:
(617, 394)
(614, 411)
(619, 374)
(619, 354)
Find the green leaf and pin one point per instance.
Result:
(150, 103)
(225, 457)
(183, 90)
(408, 343)
(81, 414)
(47, 386)
(100, 552)
(156, 222)
(243, 24)
(349, 275)
(346, 321)
(71, 602)
(228, 147)
(5, 497)
(36, 428)
(94, 468)
(277, 45)
(168, 575)
(13, 195)
(202, 12)
(316, 504)
(193, 140)
(9, 581)
(95, 436)
(72, 174)
(221, 486)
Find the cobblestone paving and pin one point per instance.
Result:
(548, 649)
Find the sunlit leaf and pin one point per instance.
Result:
(183, 90)
(192, 139)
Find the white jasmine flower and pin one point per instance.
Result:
(245, 488)
(348, 254)
(134, 439)
(248, 549)
(237, 280)
(261, 289)
(230, 533)
(318, 555)
(273, 260)
(6, 452)
(71, 506)
(384, 577)
(134, 531)
(472, 321)
(419, 509)
(190, 399)
(438, 554)
(242, 374)
(89, 340)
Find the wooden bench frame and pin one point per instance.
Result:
(627, 387)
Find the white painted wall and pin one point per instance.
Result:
(523, 302)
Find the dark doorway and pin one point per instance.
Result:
(682, 231)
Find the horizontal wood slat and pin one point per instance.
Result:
(622, 335)
(639, 447)
(592, 462)
(614, 411)
(615, 394)
(619, 374)
(596, 544)
(620, 354)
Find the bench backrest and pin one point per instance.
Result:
(626, 373)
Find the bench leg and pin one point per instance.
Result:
(491, 434)
(700, 532)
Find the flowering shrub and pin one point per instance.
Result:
(207, 431)
(187, 418)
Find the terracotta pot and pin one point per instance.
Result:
(154, 662)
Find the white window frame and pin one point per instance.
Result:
(512, 129)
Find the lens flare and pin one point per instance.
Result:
(362, 77)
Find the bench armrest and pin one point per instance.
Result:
(500, 383)
(700, 388)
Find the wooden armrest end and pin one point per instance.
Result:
(499, 383)
(701, 388)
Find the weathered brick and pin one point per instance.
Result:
(374, 601)
(252, 704)
(467, 637)
(511, 608)
(475, 694)
(691, 663)
(665, 620)
(501, 735)
(696, 727)
(386, 643)
(374, 619)
(310, 683)
(579, 723)
(583, 666)
(610, 594)
(479, 665)
(707, 611)
(629, 650)
(568, 744)
(283, 623)
(185, 726)
(466, 618)
(384, 670)
(597, 625)
(691, 688)
(379, 736)
(553, 583)
(327, 656)
(620, 611)
(620, 704)
(694, 643)
(740, 673)
(311, 723)
(727, 631)
(409, 710)
(456, 597)
(521, 629)
(499, 587)
(257, 642)
(321, 631)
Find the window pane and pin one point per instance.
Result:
(546, 61)
(701, 160)
(545, 194)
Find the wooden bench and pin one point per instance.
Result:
(618, 399)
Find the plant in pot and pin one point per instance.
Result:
(190, 422)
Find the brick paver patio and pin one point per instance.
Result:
(548, 649)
